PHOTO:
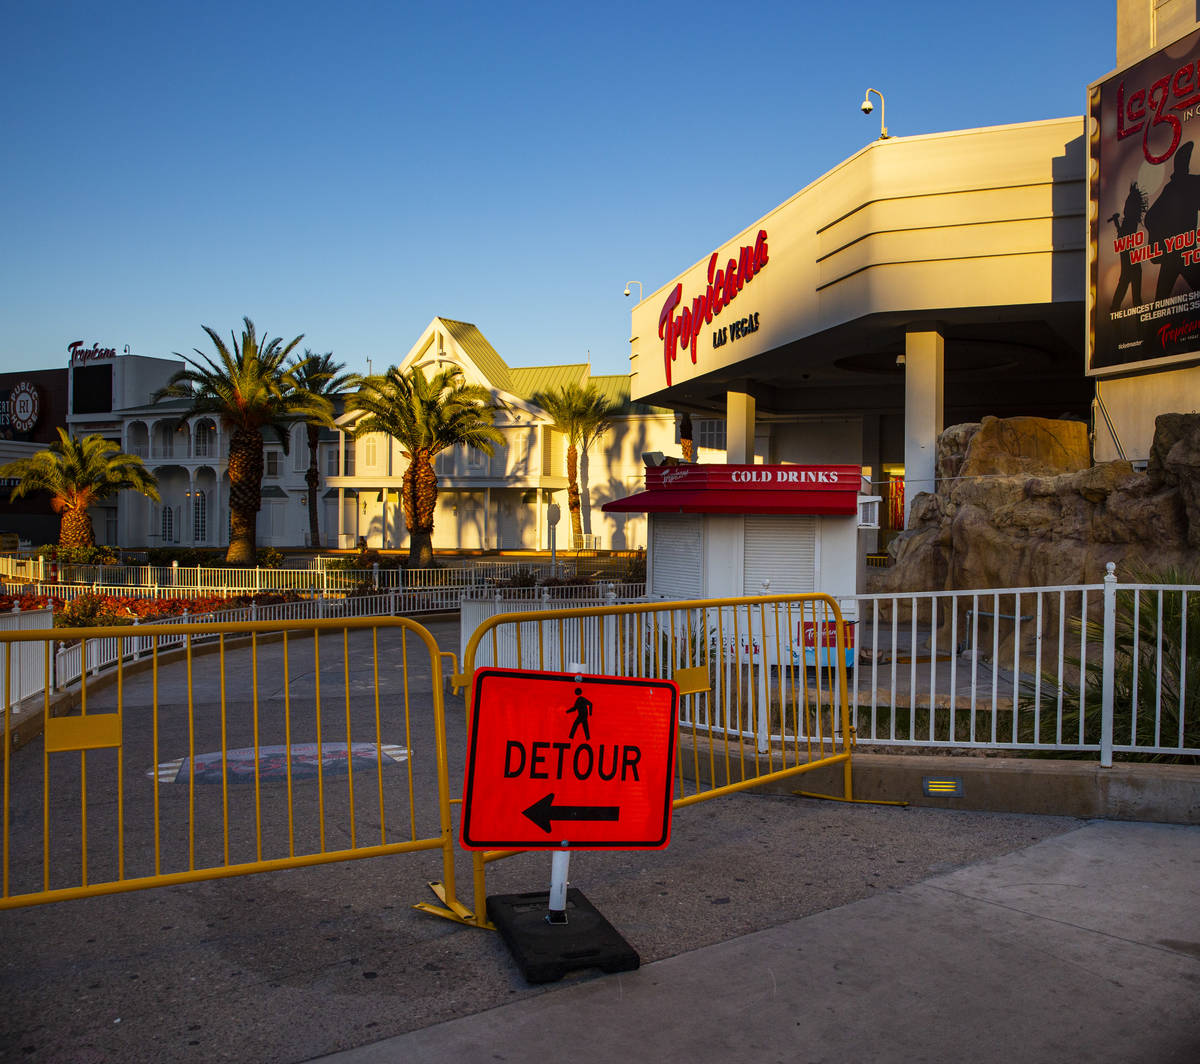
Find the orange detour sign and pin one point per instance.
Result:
(557, 761)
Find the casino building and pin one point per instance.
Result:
(933, 280)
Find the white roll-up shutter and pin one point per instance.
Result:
(783, 550)
(677, 556)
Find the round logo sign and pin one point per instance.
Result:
(24, 405)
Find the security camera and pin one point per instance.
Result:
(627, 289)
(867, 105)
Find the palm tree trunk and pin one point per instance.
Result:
(424, 491)
(75, 529)
(313, 479)
(573, 497)
(245, 494)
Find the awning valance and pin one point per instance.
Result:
(742, 489)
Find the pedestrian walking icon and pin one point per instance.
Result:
(582, 710)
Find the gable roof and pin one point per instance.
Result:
(525, 381)
(483, 354)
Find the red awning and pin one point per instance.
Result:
(733, 501)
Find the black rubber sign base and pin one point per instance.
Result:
(546, 952)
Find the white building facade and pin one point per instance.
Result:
(188, 453)
(506, 501)
(516, 498)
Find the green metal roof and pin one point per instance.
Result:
(615, 388)
(530, 379)
(525, 381)
(483, 354)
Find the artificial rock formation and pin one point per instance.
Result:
(1018, 504)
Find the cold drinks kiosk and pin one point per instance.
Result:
(723, 531)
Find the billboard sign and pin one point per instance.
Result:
(1144, 217)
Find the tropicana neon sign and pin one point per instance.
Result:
(682, 330)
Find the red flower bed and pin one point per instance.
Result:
(152, 609)
(24, 602)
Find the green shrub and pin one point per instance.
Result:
(185, 556)
(269, 558)
(79, 555)
(88, 611)
(520, 578)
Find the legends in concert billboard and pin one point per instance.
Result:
(1144, 184)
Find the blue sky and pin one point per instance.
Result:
(349, 171)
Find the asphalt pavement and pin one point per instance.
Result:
(772, 928)
(1084, 946)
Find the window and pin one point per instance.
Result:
(445, 462)
(476, 459)
(520, 451)
(272, 463)
(370, 453)
(552, 453)
(350, 464)
(300, 455)
(331, 462)
(709, 432)
(204, 440)
(168, 525)
(200, 517)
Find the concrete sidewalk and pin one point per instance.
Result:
(1084, 946)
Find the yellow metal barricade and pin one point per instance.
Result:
(174, 753)
(763, 680)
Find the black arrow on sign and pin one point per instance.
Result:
(543, 811)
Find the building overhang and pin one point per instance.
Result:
(978, 234)
(830, 490)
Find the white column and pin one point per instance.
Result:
(487, 517)
(924, 365)
(341, 531)
(739, 428)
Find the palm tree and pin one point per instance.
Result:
(319, 375)
(78, 474)
(250, 387)
(425, 415)
(686, 443)
(581, 414)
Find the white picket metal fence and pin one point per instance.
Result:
(481, 603)
(27, 568)
(23, 665)
(1099, 669)
(68, 660)
(1105, 669)
(325, 576)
